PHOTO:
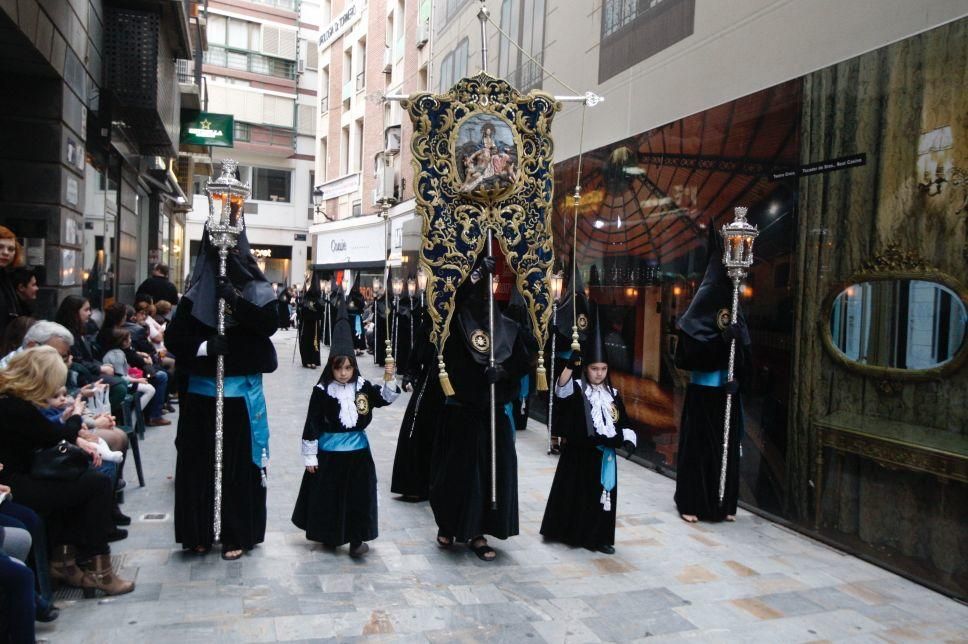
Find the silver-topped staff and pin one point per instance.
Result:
(226, 201)
(556, 283)
(738, 237)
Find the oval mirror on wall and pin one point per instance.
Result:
(898, 324)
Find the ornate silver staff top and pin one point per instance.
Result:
(738, 237)
(226, 201)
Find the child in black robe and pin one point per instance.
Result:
(337, 499)
(590, 421)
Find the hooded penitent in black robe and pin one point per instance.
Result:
(282, 308)
(337, 504)
(249, 326)
(461, 480)
(355, 304)
(310, 320)
(704, 351)
(380, 329)
(415, 444)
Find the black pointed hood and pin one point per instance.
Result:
(517, 308)
(594, 347)
(472, 317)
(341, 343)
(242, 270)
(709, 310)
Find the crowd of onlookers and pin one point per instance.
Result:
(71, 390)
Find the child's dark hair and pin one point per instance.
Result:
(118, 338)
(337, 361)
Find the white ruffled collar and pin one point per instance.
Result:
(346, 396)
(600, 399)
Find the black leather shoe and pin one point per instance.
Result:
(609, 550)
(119, 517)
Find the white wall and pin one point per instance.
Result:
(738, 47)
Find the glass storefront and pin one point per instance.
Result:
(856, 178)
(647, 203)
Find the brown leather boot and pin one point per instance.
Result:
(99, 575)
(64, 569)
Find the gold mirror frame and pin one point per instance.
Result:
(894, 264)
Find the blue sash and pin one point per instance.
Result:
(608, 468)
(248, 387)
(343, 441)
(709, 378)
(525, 387)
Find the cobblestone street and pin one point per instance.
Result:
(668, 581)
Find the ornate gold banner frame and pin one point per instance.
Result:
(482, 157)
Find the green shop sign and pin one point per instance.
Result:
(209, 129)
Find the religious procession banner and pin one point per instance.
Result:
(482, 157)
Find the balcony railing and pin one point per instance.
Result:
(268, 135)
(250, 62)
(324, 104)
(185, 69)
(360, 81)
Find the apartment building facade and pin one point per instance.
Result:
(839, 126)
(261, 67)
(367, 50)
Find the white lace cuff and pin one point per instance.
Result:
(388, 394)
(565, 390)
(310, 449)
(630, 436)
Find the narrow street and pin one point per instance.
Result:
(668, 581)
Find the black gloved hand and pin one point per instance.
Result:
(629, 447)
(732, 332)
(218, 345)
(482, 271)
(406, 384)
(574, 362)
(732, 387)
(227, 292)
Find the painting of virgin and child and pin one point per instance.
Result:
(486, 154)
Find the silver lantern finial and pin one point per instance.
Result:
(738, 237)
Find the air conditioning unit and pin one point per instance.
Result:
(385, 188)
(392, 137)
(423, 33)
(300, 66)
(387, 60)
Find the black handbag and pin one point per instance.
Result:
(62, 462)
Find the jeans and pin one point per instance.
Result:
(160, 382)
(15, 515)
(17, 582)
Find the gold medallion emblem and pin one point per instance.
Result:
(481, 341)
(613, 411)
(722, 319)
(582, 322)
(362, 404)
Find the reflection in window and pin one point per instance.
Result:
(902, 324)
(524, 21)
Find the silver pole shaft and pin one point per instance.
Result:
(223, 254)
(491, 364)
(482, 15)
(551, 373)
(734, 315)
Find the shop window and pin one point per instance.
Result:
(271, 185)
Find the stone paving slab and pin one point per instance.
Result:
(752, 581)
